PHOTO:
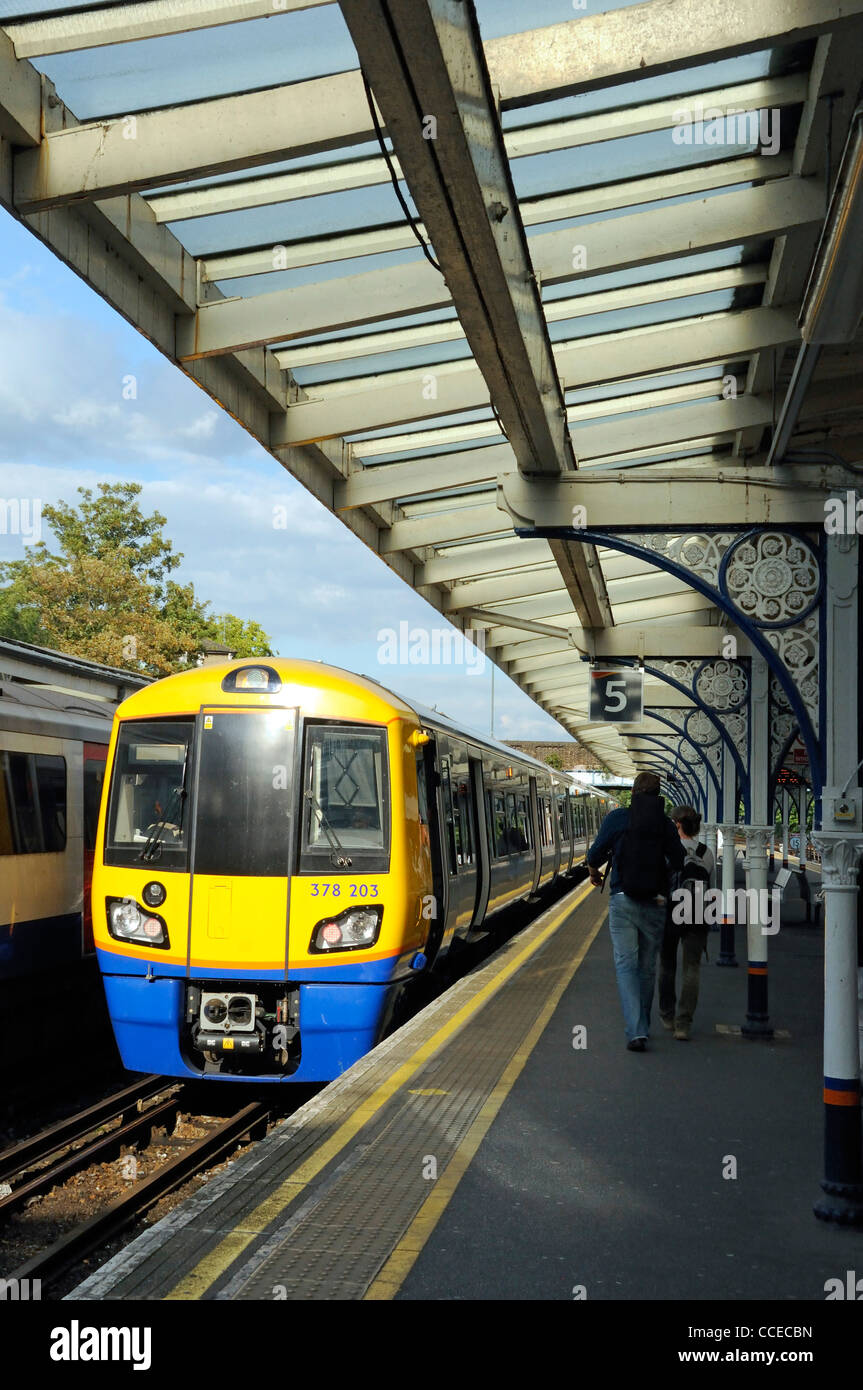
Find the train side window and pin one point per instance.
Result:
(497, 821)
(452, 834)
(545, 830)
(33, 811)
(21, 792)
(523, 818)
(7, 839)
(51, 790)
(464, 817)
(562, 819)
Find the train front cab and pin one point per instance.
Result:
(250, 971)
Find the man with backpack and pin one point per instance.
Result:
(644, 848)
(685, 926)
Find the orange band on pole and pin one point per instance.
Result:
(841, 1097)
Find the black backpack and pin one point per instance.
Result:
(694, 871)
(640, 851)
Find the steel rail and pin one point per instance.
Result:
(96, 1152)
(77, 1243)
(120, 1103)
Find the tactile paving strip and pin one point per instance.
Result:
(283, 1236)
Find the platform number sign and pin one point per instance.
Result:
(616, 696)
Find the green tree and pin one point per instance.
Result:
(108, 594)
(554, 760)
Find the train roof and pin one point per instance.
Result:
(435, 719)
(186, 691)
(195, 687)
(36, 709)
(43, 666)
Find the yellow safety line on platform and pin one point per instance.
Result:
(198, 1280)
(400, 1263)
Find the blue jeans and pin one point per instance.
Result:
(636, 935)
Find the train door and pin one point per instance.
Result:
(481, 840)
(570, 831)
(243, 836)
(95, 756)
(460, 836)
(537, 836)
(428, 788)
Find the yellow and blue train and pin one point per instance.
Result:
(283, 846)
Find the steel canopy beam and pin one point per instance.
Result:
(90, 28)
(426, 56)
(617, 501)
(438, 473)
(646, 40)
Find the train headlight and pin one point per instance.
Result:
(353, 930)
(129, 922)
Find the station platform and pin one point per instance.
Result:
(481, 1153)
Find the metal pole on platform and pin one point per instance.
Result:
(786, 826)
(840, 844)
(729, 817)
(709, 833)
(800, 799)
(759, 918)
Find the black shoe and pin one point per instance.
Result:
(636, 1045)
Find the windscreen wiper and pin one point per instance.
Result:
(179, 793)
(338, 858)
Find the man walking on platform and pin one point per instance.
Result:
(644, 848)
(685, 925)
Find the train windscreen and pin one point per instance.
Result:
(147, 817)
(346, 801)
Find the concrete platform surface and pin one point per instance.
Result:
(505, 1145)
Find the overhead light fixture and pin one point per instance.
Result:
(833, 301)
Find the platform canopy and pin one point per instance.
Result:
(430, 253)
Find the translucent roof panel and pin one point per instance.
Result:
(725, 72)
(121, 78)
(500, 17)
(353, 209)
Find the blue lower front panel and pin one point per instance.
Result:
(339, 1023)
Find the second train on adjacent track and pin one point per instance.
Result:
(283, 846)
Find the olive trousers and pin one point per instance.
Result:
(694, 943)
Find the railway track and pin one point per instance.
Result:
(53, 1149)
(20, 1159)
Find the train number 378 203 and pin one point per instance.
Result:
(356, 890)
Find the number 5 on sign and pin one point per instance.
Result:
(616, 697)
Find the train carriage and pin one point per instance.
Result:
(55, 726)
(283, 846)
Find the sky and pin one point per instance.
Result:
(69, 419)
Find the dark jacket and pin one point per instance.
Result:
(609, 835)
